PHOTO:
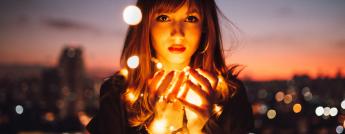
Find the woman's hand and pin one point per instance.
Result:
(163, 87)
(204, 85)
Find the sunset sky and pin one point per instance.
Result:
(274, 40)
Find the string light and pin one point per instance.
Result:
(133, 62)
(159, 126)
(132, 15)
(124, 72)
(159, 65)
(217, 110)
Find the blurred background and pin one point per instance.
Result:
(55, 54)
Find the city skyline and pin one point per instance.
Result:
(275, 39)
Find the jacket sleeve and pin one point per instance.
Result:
(236, 117)
(110, 117)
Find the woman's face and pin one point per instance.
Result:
(175, 36)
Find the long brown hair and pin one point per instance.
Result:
(209, 56)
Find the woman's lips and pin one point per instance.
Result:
(177, 49)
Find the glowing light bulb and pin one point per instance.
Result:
(159, 126)
(124, 72)
(159, 65)
(133, 62)
(130, 96)
(217, 110)
(132, 15)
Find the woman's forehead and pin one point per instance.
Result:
(170, 6)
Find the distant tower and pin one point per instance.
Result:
(73, 78)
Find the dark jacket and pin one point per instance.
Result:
(111, 118)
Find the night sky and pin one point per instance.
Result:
(274, 39)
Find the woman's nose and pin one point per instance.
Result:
(177, 29)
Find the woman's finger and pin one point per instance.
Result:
(177, 86)
(157, 77)
(203, 95)
(165, 83)
(204, 83)
(198, 110)
(212, 78)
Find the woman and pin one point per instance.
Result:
(194, 92)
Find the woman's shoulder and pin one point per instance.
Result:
(115, 83)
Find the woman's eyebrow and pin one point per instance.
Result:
(193, 10)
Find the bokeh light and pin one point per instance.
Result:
(132, 15)
(19, 109)
(279, 96)
(133, 62)
(159, 126)
(297, 108)
(263, 109)
(288, 99)
(49, 116)
(262, 94)
(342, 104)
(333, 111)
(124, 72)
(339, 129)
(271, 114)
(159, 65)
(319, 111)
(326, 111)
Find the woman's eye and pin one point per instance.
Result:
(162, 18)
(191, 19)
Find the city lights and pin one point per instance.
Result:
(279, 96)
(271, 114)
(133, 62)
(288, 99)
(297, 108)
(326, 111)
(132, 15)
(19, 109)
(333, 111)
(339, 129)
(319, 111)
(342, 104)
